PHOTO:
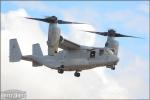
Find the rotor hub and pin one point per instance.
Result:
(52, 19)
(111, 32)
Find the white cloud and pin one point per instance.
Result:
(16, 26)
(126, 82)
(133, 74)
(137, 79)
(42, 82)
(92, 20)
(75, 33)
(80, 37)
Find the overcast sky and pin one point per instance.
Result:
(130, 80)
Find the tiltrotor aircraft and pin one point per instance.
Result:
(73, 57)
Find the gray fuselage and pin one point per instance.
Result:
(81, 59)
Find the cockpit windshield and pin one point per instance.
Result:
(105, 51)
(109, 51)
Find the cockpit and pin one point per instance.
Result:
(105, 51)
(100, 52)
(108, 51)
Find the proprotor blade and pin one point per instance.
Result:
(99, 33)
(68, 22)
(112, 33)
(38, 19)
(121, 35)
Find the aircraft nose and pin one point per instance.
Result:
(116, 59)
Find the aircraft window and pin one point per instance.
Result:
(101, 52)
(113, 50)
(108, 51)
(92, 54)
(106, 44)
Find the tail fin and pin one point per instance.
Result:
(37, 52)
(14, 51)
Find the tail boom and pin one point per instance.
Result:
(15, 54)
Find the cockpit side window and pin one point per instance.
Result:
(101, 52)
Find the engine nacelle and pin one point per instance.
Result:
(112, 44)
(53, 39)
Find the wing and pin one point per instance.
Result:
(68, 45)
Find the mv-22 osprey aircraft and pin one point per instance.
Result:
(73, 57)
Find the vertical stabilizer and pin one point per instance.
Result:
(14, 51)
(36, 52)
